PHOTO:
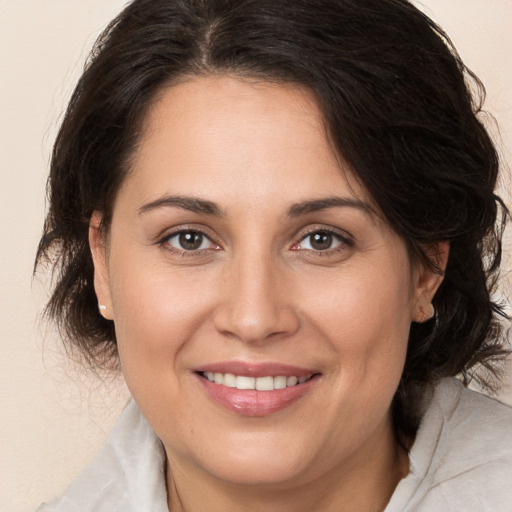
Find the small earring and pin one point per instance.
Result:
(432, 311)
(102, 307)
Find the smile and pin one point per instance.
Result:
(256, 389)
(244, 382)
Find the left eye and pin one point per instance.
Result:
(320, 241)
(190, 241)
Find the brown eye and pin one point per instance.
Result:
(190, 240)
(321, 240)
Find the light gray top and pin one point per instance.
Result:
(461, 460)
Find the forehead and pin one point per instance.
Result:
(249, 136)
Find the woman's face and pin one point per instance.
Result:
(243, 251)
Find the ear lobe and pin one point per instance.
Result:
(99, 258)
(428, 281)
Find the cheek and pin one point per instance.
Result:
(156, 312)
(362, 306)
(365, 316)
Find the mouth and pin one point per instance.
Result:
(246, 382)
(256, 390)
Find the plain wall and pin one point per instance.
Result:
(55, 417)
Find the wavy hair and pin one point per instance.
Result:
(400, 107)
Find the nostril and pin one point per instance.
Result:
(256, 321)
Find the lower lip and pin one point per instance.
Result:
(249, 402)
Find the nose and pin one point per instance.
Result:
(256, 306)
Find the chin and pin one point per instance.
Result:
(266, 470)
(264, 460)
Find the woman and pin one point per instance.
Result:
(278, 220)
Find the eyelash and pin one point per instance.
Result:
(345, 241)
(164, 242)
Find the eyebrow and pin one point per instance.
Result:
(316, 205)
(192, 204)
(197, 205)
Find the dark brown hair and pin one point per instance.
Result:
(397, 102)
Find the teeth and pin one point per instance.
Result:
(280, 382)
(229, 380)
(260, 383)
(291, 381)
(264, 383)
(245, 382)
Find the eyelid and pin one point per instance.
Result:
(342, 248)
(177, 230)
(343, 235)
(345, 238)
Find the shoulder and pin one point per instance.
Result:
(476, 430)
(126, 475)
(462, 456)
(466, 436)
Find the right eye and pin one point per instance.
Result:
(188, 240)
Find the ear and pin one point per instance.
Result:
(427, 282)
(98, 248)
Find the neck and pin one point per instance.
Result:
(364, 483)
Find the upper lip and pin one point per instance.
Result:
(256, 369)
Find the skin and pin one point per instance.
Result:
(256, 291)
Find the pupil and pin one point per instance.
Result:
(321, 240)
(191, 241)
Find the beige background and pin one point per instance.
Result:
(53, 417)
